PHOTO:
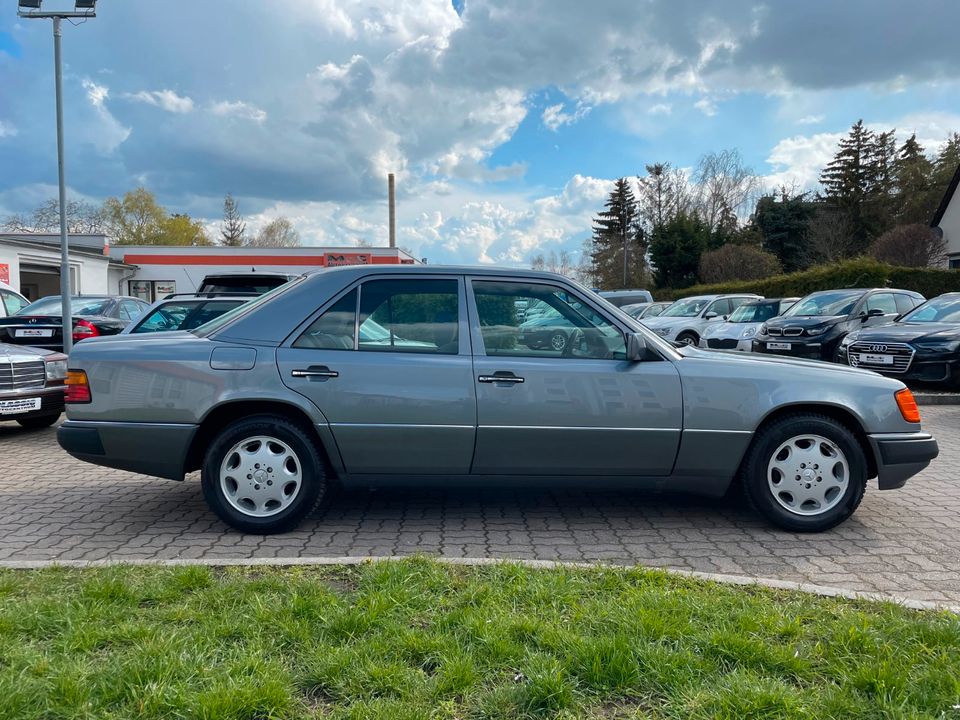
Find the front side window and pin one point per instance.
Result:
(563, 327)
(420, 316)
(883, 302)
(720, 307)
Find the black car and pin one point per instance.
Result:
(923, 345)
(815, 326)
(40, 324)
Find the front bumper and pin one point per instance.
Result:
(943, 368)
(158, 449)
(799, 347)
(51, 402)
(900, 456)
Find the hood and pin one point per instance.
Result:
(728, 330)
(910, 332)
(660, 321)
(804, 321)
(693, 353)
(22, 353)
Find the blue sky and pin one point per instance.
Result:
(505, 121)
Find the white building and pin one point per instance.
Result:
(30, 263)
(947, 219)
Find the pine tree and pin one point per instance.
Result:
(783, 221)
(231, 230)
(944, 168)
(915, 202)
(618, 248)
(676, 248)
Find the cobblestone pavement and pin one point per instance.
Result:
(905, 542)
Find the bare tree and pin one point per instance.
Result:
(737, 262)
(664, 193)
(723, 185)
(914, 245)
(82, 218)
(831, 237)
(277, 233)
(233, 226)
(561, 263)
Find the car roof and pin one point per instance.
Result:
(868, 290)
(247, 275)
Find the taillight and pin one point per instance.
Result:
(78, 388)
(83, 329)
(908, 405)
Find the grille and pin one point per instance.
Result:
(901, 352)
(775, 332)
(721, 344)
(18, 375)
(793, 332)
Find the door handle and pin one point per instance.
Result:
(315, 371)
(500, 377)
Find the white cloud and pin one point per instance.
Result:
(239, 109)
(554, 117)
(706, 106)
(7, 129)
(810, 120)
(108, 133)
(165, 99)
(660, 109)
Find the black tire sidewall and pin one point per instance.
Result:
(770, 438)
(313, 488)
(695, 339)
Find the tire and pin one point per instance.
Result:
(806, 446)
(39, 422)
(558, 341)
(263, 499)
(688, 338)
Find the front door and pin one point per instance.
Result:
(555, 393)
(389, 365)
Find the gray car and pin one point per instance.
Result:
(686, 319)
(283, 396)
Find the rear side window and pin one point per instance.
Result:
(166, 317)
(410, 316)
(207, 312)
(130, 309)
(12, 302)
(334, 330)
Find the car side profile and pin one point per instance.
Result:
(284, 396)
(816, 324)
(685, 320)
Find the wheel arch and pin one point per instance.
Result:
(841, 414)
(230, 410)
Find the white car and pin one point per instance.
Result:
(10, 300)
(685, 321)
(738, 331)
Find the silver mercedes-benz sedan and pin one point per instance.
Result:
(283, 396)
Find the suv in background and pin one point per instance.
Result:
(686, 319)
(252, 283)
(816, 325)
(625, 297)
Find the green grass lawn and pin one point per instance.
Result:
(418, 639)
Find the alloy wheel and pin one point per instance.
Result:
(260, 476)
(808, 474)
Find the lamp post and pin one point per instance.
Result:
(82, 9)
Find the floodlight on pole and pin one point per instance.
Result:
(81, 9)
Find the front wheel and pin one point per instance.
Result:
(688, 338)
(558, 341)
(805, 473)
(263, 474)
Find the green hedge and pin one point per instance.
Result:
(861, 273)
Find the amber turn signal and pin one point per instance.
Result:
(78, 388)
(908, 406)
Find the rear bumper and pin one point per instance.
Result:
(158, 449)
(900, 456)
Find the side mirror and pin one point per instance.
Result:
(636, 347)
(710, 315)
(875, 312)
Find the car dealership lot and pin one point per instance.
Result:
(905, 542)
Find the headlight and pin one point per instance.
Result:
(762, 330)
(662, 331)
(748, 332)
(847, 339)
(819, 330)
(941, 346)
(56, 370)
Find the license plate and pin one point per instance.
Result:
(21, 405)
(778, 346)
(876, 359)
(33, 332)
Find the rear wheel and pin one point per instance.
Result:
(688, 338)
(805, 473)
(38, 423)
(263, 474)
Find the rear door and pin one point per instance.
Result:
(572, 408)
(388, 363)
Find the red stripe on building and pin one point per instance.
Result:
(291, 260)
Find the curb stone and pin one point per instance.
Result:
(927, 398)
(725, 579)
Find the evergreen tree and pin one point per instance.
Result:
(915, 202)
(944, 167)
(782, 222)
(231, 230)
(618, 251)
(849, 181)
(675, 250)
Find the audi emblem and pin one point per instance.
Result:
(878, 348)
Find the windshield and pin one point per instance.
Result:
(754, 312)
(825, 304)
(228, 317)
(691, 307)
(78, 306)
(945, 309)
